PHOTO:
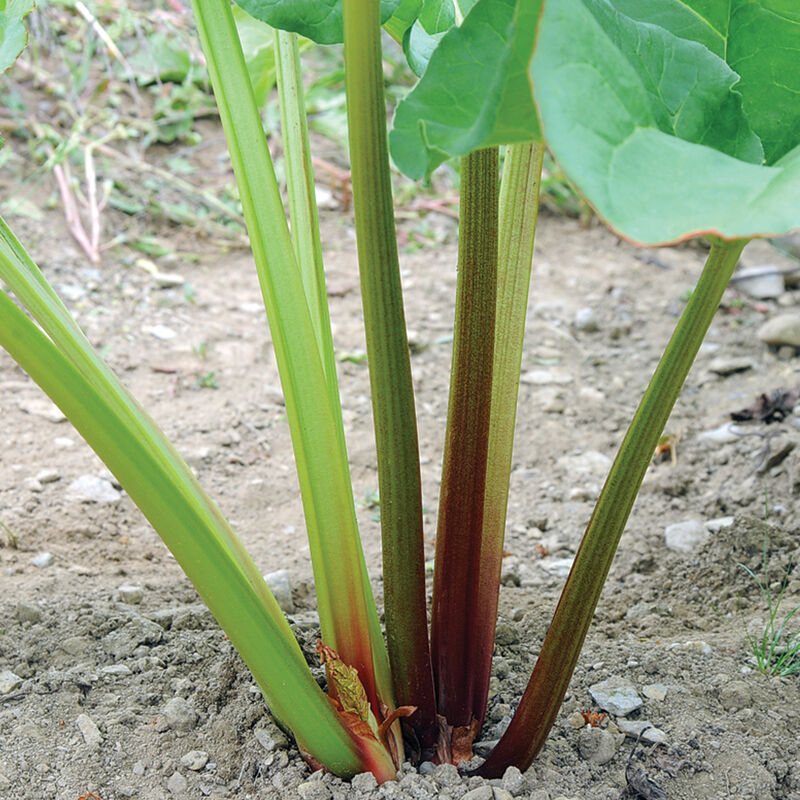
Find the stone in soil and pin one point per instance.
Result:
(179, 715)
(616, 695)
(91, 489)
(783, 329)
(9, 681)
(764, 282)
(597, 745)
(686, 537)
(281, 588)
(89, 730)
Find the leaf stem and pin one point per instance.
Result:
(542, 699)
(389, 369)
(460, 629)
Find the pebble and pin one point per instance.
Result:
(130, 593)
(162, 332)
(9, 681)
(728, 366)
(168, 280)
(596, 745)
(506, 634)
(764, 282)
(122, 642)
(641, 728)
(589, 462)
(487, 793)
(781, 329)
(63, 442)
(179, 715)
(314, 790)
(586, 320)
(546, 377)
(514, 781)
(177, 784)
(364, 782)
(91, 733)
(28, 613)
(91, 489)
(686, 537)
(616, 695)
(716, 525)
(116, 670)
(194, 760)
(48, 475)
(655, 691)
(447, 775)
(281, 588)
(724, 434)
(42, 407)
(44, 559)
(272, 738)
(735, 695)
(32, 485)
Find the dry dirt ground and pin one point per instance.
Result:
(114, 678)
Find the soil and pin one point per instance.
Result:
(128, 689)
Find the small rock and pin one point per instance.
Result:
(48, 475)
(168, 280)
(545, 377)
(179, 715)
(32, 485)
(314, 790)
(9, 681)
(764, 282)
(506, 634)
(725, 434)
(162, 332)
(194, 760)
(116, 670)
(446, 775)
(281, 587)
(686, 537)
(480, 793)
(781, 329)
(655, 691)
(616, 695)
(514, 781)
(42, 560)
(735, 695)
(729, 366)
(41, 407)
(559, 567)
(693, 646)
(63, 442)
(177, 784)
(716, 525)
(364, 782)
(589, 462)
(586, 320)
(91, 489)
(271, 738)
(121, 642)
(484, 747)
(642, 729)
(91, 733)
(130, 593)
(28, 613)
(596, 745)
(576, 720)
(138, 769)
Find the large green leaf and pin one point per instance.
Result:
(320, 20)
(435, 18)
(475, 91)
(13, 36)
(760, 40)
(614, 136)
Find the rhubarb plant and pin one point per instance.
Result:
(675, 120)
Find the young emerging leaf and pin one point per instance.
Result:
(475, 91)
(435, 18)
(620, 99)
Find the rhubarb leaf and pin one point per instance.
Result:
(475, 91)
(320, 20)
(656, 171)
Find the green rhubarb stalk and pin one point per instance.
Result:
(560, 650)
(519, 206)
(348, 616)
(303, 213)
(203, 543)
(460, 628)
(389, 369)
